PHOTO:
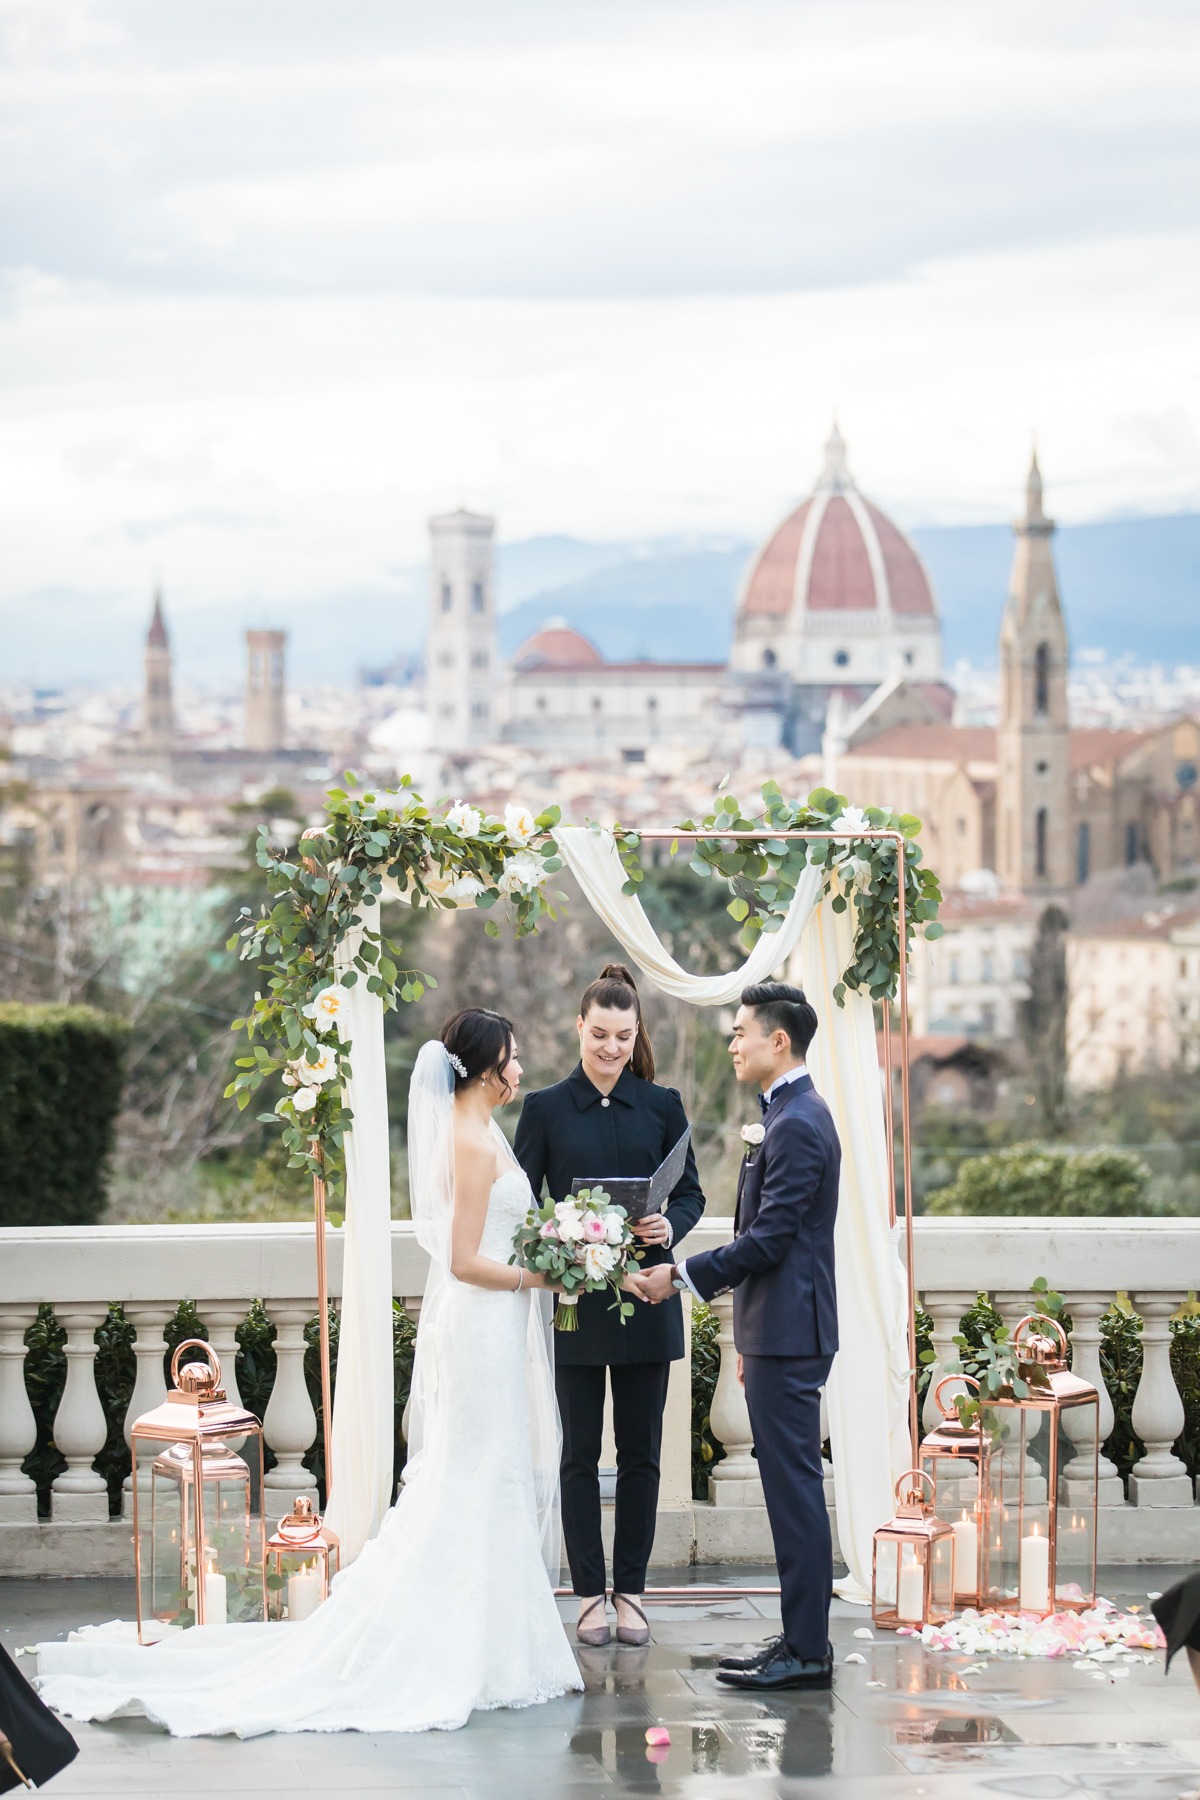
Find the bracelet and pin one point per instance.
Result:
(520, 1279)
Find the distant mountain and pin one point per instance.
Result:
(1130, 587)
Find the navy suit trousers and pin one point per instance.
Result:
(783, 1396)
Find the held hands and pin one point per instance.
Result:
(657, 1284)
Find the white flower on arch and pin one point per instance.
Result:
(325, 1007)
(521, 874)
(464, 819)
(520, 824)
(316, 1074)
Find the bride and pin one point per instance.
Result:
(450, 1608)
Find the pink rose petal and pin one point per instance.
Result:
(658, 1734)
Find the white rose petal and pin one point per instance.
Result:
(519, 823)
(304, 1099)
(324, 1008)
(465, 820)
(316, 1074)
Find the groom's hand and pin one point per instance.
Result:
(657, 1284)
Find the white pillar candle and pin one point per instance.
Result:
(215, 1599)
(304, 1594)
(910, 1598)
(1033, 1587)
(966, 1555)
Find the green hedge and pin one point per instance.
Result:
(60, 1090)
(1029, 1179)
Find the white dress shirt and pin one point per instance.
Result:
(789, 1075)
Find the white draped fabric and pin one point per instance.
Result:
(362, 1427)
(867, 1390)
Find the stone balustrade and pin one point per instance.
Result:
(223, 1268)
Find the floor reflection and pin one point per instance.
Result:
(800, 1744)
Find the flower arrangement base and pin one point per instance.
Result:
(1099, 1634)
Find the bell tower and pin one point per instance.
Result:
(461, 662)
(1033, 849)
(158, 709)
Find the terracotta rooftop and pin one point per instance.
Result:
(1098, 744)
(933, 743)
(557, 646)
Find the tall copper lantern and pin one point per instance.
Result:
(912, 1561)
(302, 1559)
(198, 1546)
(1042, 1531)
(967, 1481)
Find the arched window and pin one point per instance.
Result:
(1083, 853)
(477, 596)
(1041, 678)
(1040, 825)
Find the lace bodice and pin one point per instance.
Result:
(509, 1201)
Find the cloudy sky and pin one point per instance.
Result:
(280, 277)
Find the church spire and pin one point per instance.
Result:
(1035, 516)
(835, 474)
(158, 713)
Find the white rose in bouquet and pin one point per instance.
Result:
(570, 1222)
(614, 1228)
(465, 820)
(598, 1261)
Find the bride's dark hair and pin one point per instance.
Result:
(615, 987)
(482, 1041)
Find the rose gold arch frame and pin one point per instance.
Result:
(660, 834)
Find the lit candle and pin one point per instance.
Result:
(1033, 1586)
(966, 1555)
(216, 1610)
(304, 1594)
(910, 1598)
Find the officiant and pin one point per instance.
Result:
(610, 1118)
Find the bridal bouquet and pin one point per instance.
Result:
(583, 1245)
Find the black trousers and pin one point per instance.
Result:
(783, 1398)
(639, 1393)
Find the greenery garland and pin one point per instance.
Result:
(320, 935)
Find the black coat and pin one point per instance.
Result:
(566, 1132)
(40, 1744)
(780, 1263)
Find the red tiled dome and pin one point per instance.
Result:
(557, 646)
(836, 553)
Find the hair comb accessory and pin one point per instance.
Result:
(457, 1064)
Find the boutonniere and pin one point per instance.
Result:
(752, 1137)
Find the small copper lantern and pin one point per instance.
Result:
(912, 1562)
(967, 1483)
(1042, 1535)
(198, 1549)
(302, 1559)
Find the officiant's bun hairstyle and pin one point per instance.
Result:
(615, 987)
(783, 1008)
(479, 1043)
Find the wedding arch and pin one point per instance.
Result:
(839, 890)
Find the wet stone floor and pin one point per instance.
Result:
(902, 1723)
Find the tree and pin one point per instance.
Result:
(1043, 1017)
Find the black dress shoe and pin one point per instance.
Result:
(752, 1662)
(782, 1670)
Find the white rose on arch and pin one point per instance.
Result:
(305, 1098)
(325, 1007)
(521, 874)
(520, 824)
(465, 887)
(465, 820)
(316, 1074)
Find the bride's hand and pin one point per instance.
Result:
(633, 1283)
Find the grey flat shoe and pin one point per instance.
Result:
(594, 1636)
(632, 1634)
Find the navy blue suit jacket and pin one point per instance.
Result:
(780, 1262)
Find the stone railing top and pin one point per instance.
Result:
(163, 1263)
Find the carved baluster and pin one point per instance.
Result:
(79, 1494)
(1013, 1305)
(946, 1310)
(1158, 1478)
(735, 1481)
(290, 1424)
(149, 1386)
(18, 1428)
(1087, 1309)
(221, 1321)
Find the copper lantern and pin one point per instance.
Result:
(1043, 1532)
(912, 1561)
(967, 1481)
(302, 1559)
(198, 1546)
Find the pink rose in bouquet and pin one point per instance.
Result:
(583, 1245)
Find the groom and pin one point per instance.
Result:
(780, 1266)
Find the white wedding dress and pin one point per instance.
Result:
(448, 1610)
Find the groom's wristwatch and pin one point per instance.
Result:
(679, 1284)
